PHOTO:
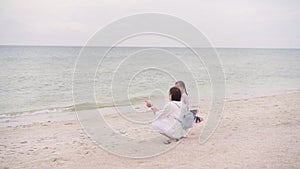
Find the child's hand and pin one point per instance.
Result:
(148, 103)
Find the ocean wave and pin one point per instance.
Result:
(72, 108)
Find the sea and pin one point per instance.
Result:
(37, 79)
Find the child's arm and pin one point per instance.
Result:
(149, 104)
(154, 109)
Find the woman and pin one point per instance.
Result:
(184, 96)
(186, 101)
(167, 122)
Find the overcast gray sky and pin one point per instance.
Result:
(226, 23)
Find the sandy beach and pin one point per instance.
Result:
(260, 132)
(76, 78)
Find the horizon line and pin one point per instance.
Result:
(219, 47)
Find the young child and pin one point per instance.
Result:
(167, 123)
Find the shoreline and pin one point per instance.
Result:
(70, 108)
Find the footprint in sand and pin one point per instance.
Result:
(59, 160)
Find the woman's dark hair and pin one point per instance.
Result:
(175, 94)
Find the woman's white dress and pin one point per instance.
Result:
(167, 122)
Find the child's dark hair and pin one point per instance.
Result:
(175, 94)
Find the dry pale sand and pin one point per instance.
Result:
(254, 133)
